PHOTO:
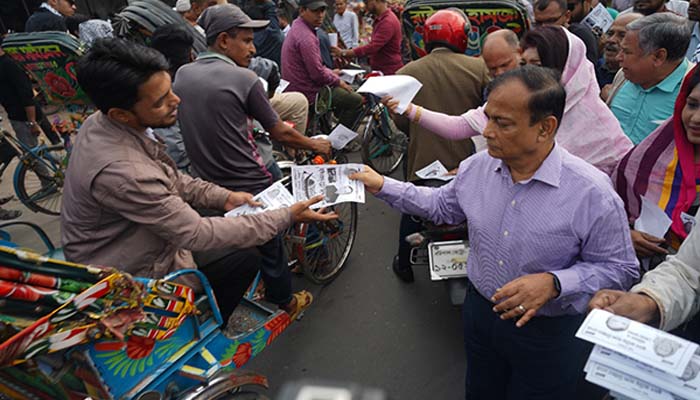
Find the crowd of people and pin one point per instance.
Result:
(556, 139)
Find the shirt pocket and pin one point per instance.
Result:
(545, 251)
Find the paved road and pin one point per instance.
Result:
(369, 328)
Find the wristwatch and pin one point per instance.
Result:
(30, 123)
(557, 284)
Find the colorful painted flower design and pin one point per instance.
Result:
(59, 85)
(242, 354)
(138, 347)
(276, 326)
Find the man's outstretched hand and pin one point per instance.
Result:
(302, 213)
(236, 199)
(373, 181)
(638, 307)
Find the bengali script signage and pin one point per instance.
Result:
(484, 18)
(53, 68)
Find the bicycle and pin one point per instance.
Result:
(320, 248)
(38, 178)
(383, 144)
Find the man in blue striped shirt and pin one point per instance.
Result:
(546, 231)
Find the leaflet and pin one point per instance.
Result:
(435, 171)
(652, 219)
(599, 20)
(348, 75)
(626, 384)
(651, 346)
(687, 385)
(341, 136)
(401, 87)
(331, 181)
(274, 197)
(282, 86)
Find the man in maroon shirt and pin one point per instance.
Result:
(384, 49)
(303, 69)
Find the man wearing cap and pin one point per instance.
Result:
(220, 99)
(303, 68)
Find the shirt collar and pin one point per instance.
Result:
(696, 30)
(212, 54)
(548, 173)
(53, 10)
(670, 83)
(383, 15)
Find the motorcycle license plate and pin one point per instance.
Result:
(448, 259)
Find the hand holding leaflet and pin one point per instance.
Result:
(274, 197)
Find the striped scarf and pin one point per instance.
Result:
(661, 168)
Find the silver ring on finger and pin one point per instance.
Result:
(522, 309)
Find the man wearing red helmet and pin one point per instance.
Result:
(384, 49)
(452, 83)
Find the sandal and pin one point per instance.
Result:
(303, 301)
(9, 214)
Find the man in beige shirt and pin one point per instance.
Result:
(125, 203)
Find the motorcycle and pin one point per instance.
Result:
(445, 250)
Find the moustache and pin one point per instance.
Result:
(611, 48)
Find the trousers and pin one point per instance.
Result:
(540, 361)
(229, 272)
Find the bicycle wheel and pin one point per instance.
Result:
(39, 181)
(322, 248)
(383, 152)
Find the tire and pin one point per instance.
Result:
(322, 248)
(383, 154)
(44, 198)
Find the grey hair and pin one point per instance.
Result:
(507, 35)
(662, 31)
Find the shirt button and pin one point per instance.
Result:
(512, 203)
(505, 233)
(500, 263)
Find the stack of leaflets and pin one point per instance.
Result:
(636, 361)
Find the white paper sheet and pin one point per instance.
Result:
(341, 136)
(333, 38)
(435, 170)
(599, 20)
(329, 180)
(282, 86)
(625, 384)
(652, 220)
(687, 386)
(348, 75)
(401, 87)
(264, 83)
(641, 342)
(274, 197)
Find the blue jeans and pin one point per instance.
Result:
(542, 360)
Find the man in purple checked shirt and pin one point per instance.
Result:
(546, 231)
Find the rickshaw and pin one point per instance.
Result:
(71, 331)
(485, 17)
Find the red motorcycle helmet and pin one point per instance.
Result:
(447, 28)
